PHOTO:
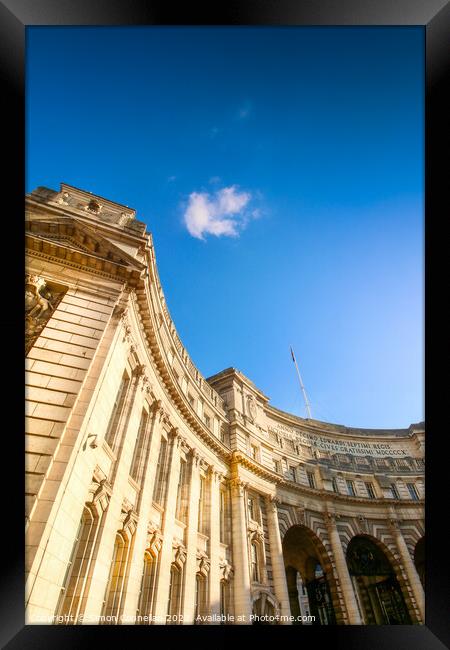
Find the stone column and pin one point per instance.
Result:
(143, 508)
(276, 555)
(348, 594)
(214, 542)
(408, 565)
(162, 588)
(242, 594)
(190, 566)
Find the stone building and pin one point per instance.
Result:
(154, 495)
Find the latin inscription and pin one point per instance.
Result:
(324, 443)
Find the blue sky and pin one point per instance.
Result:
(280, 171)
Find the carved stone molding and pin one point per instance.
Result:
(215, 474)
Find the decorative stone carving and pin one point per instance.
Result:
(361, 524)
(251, 407)
(273, 502)
(40, 303)
(128, 518)
(154, 539)
(255, 533)
(203, 563)
(99, 493)
(300, 515)
(238, 486)
(178, 553)
(226, 570)
(93, 206)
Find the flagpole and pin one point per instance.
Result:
(305, 397)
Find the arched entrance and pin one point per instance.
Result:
(376, 586)
(419, 559)
(306, 558)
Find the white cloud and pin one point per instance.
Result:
(221, 214)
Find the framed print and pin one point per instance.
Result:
(256, 187)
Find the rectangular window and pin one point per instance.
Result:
(335, 485)
(251, 509)
(201, 502)
(394, 491)
(161, 470)
(140, 449)
(113, 424)
(222, 515)
(254, 562)
(370, 490)
(351, 488)
(208, 421)
(412, 491)
(254, 452)
(180, 512)
(224, 601)
(292, 474)
(311, 479)
(277, 466)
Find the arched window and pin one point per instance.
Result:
(174, 600)
(181, 509)
(117, 579)
(200, 597)
(254, 562)
(159, 490)
(76, 579)
(140, 449)
(113, 424)
(224, 600)
(146, 598)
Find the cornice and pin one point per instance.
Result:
(176, 395)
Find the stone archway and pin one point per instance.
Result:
(306, 557)
(419, 559)
(378, 589)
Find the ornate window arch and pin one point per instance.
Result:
(120, 564)
(149, 573)
(77, 578)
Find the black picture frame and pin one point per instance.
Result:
(434, 17)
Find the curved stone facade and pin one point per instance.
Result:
(157, 496)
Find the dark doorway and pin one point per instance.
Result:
(376, 586)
